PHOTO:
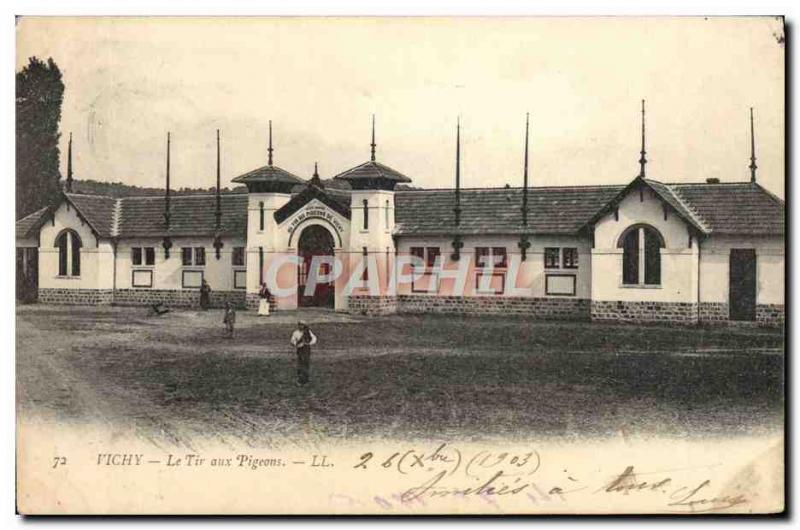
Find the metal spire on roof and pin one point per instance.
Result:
(269, 150)
(642, 159)
(753, 165)
(166, 191)
(525, 176)
(69, 165)
(167, 243)
(373, 139)
(218, 211)
(457, 208)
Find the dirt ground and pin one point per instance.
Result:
(176, 377)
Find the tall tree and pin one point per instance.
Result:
(40, 92)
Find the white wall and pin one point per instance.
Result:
(529, 277)
(715, 267)
(168, 273)
(96, 256)
(678, 260)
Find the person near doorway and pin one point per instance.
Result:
(263, 302)
(205, 295)
(230, 318)
(302, 339)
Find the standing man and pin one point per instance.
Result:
(230, 318)
(205, 295)
(302, 339)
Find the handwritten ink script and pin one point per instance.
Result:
(447, 472)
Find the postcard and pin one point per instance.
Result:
(393, 266)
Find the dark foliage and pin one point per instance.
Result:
(40, 92)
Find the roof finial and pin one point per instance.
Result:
(166, 191)
(753, 165)
(218, 211)
(270, 144)
(525, 176)
(316, 173)
(373, 139)
(69, 165)
(642, 159)
(457, 209)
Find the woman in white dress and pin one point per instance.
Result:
(263, 303)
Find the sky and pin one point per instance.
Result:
(130, 80)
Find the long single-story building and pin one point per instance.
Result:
(648, 251)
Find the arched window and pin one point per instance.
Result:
(641, 255)
(366, 214)
(69, 246)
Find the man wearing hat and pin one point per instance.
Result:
(302, 339)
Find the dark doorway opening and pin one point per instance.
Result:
(742, 291)
(27, 274)
(315, 241)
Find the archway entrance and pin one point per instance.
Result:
(315, 240)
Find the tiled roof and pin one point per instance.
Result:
(27, 226)
(734, 208)
(551, 210)
(189, 215)
(372, 170)
(269, 174)
(727, 208)
(673, 199)
(97, 210)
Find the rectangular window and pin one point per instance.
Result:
(149, 256)
(432, 255)
(191, 279)
(489, 283)
(499, 257)
(237, 258)
(199, 256)
(239, 279)
(418, 252)
(136, 255)
(186, 256)
(365, 258)
(261, 216)
(142, 278)
(551, 255)
(630, 258)
(143, 255)
(366, 214)
(570, 258)
(559, 284)
(481, 257)
(652, 258)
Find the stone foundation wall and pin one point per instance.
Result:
(186, 298)
(644, 312)
(540, 308)
(75, 296)
(372, 305)
(770, 315)
(713, 312)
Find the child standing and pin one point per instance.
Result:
(230, 318)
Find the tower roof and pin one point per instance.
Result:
(269, 178)
(372, 174)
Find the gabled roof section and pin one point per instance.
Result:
(190, 215)
(664, 193)
(28, 225)
(372, 170)
(337, 201)
(551, 210)
(96, 210)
